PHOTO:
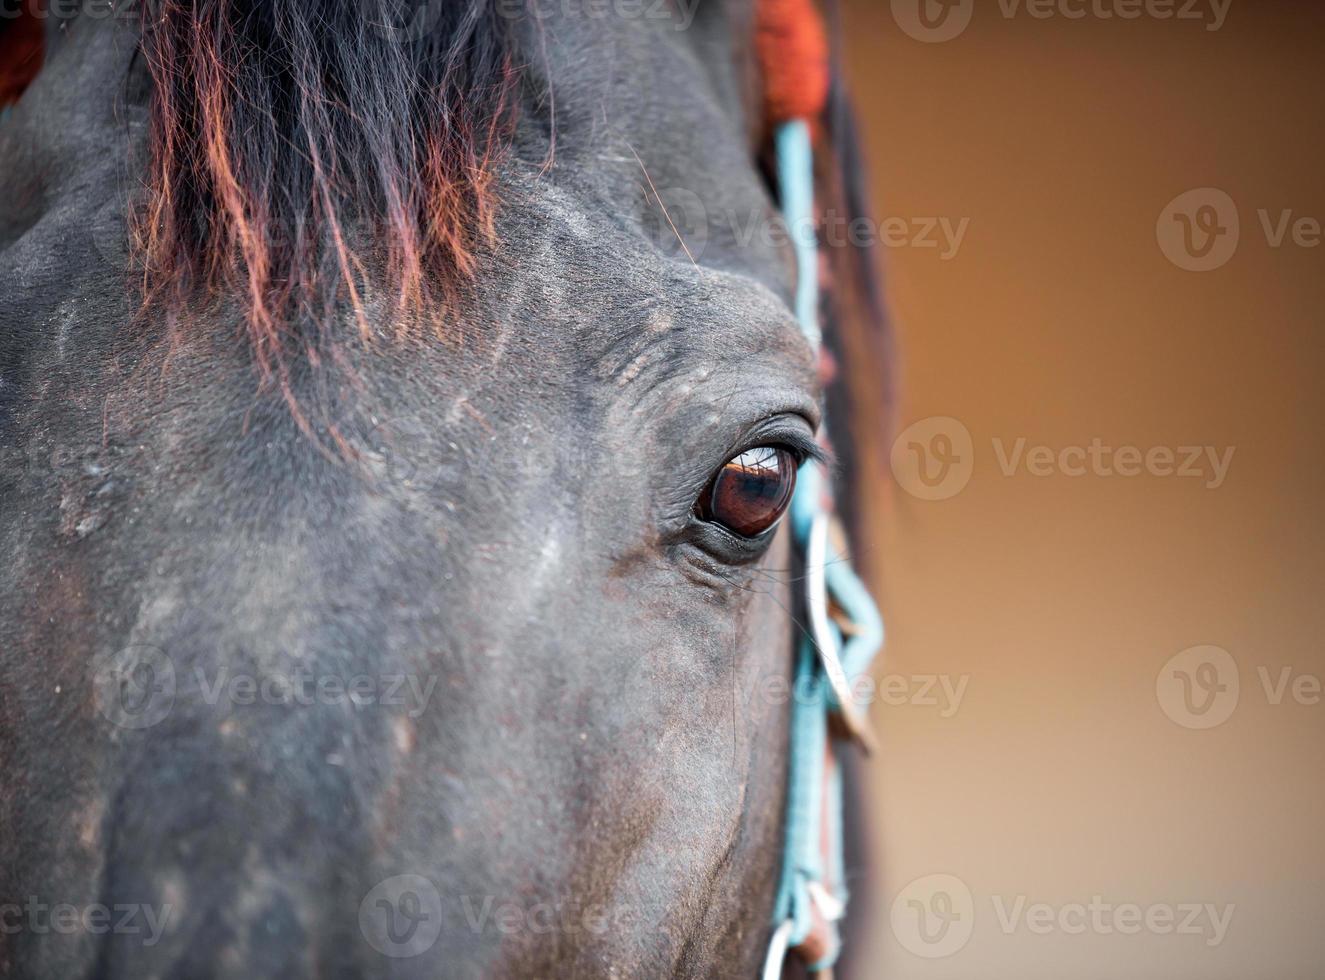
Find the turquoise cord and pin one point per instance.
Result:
(813, 699)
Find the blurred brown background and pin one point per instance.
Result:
(1078, 766)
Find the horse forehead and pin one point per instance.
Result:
(609, 288)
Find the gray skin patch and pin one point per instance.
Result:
(588, 762)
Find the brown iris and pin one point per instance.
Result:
(751, 491)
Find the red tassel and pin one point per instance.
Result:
(793, 55)
(22, 40)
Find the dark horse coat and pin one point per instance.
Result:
(360, 369)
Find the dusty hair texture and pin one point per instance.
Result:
(301, 151)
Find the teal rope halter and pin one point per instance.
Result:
(827, 662)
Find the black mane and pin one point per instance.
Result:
(288, 135)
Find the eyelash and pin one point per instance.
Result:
(800, 446)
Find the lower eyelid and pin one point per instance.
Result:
(711, 538)
(720, 574)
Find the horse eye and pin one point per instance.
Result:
(751, 491)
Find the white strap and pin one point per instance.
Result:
(777, 951)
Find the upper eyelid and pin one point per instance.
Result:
(806, 447)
